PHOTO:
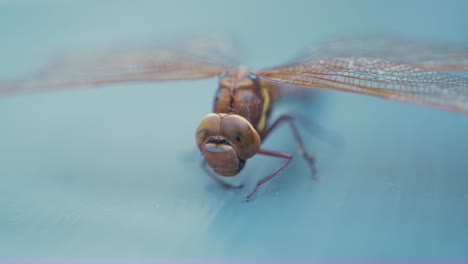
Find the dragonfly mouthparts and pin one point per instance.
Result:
(217, 140)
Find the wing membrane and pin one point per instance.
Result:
(377, 77)
(190, 59)
(421, 53)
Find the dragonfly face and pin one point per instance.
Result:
(227, 141)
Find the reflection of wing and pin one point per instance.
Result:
(193, 58)
(376, 77)
(396, 49)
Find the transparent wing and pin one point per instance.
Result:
(187, 59)
(424, 54)
(377, 77)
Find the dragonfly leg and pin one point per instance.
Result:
(299, 144)
(216, 178)
(285, 155)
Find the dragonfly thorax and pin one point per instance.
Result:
(240, 93)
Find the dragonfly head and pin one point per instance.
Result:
(227, 141)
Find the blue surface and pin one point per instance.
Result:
(112, 172)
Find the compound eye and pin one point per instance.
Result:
(243, 137)
(209, 126)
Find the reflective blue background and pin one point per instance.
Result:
(113, 172)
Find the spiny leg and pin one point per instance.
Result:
(210, 173)
(299, 144)
(287, 156)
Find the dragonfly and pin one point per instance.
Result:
(389, 67)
